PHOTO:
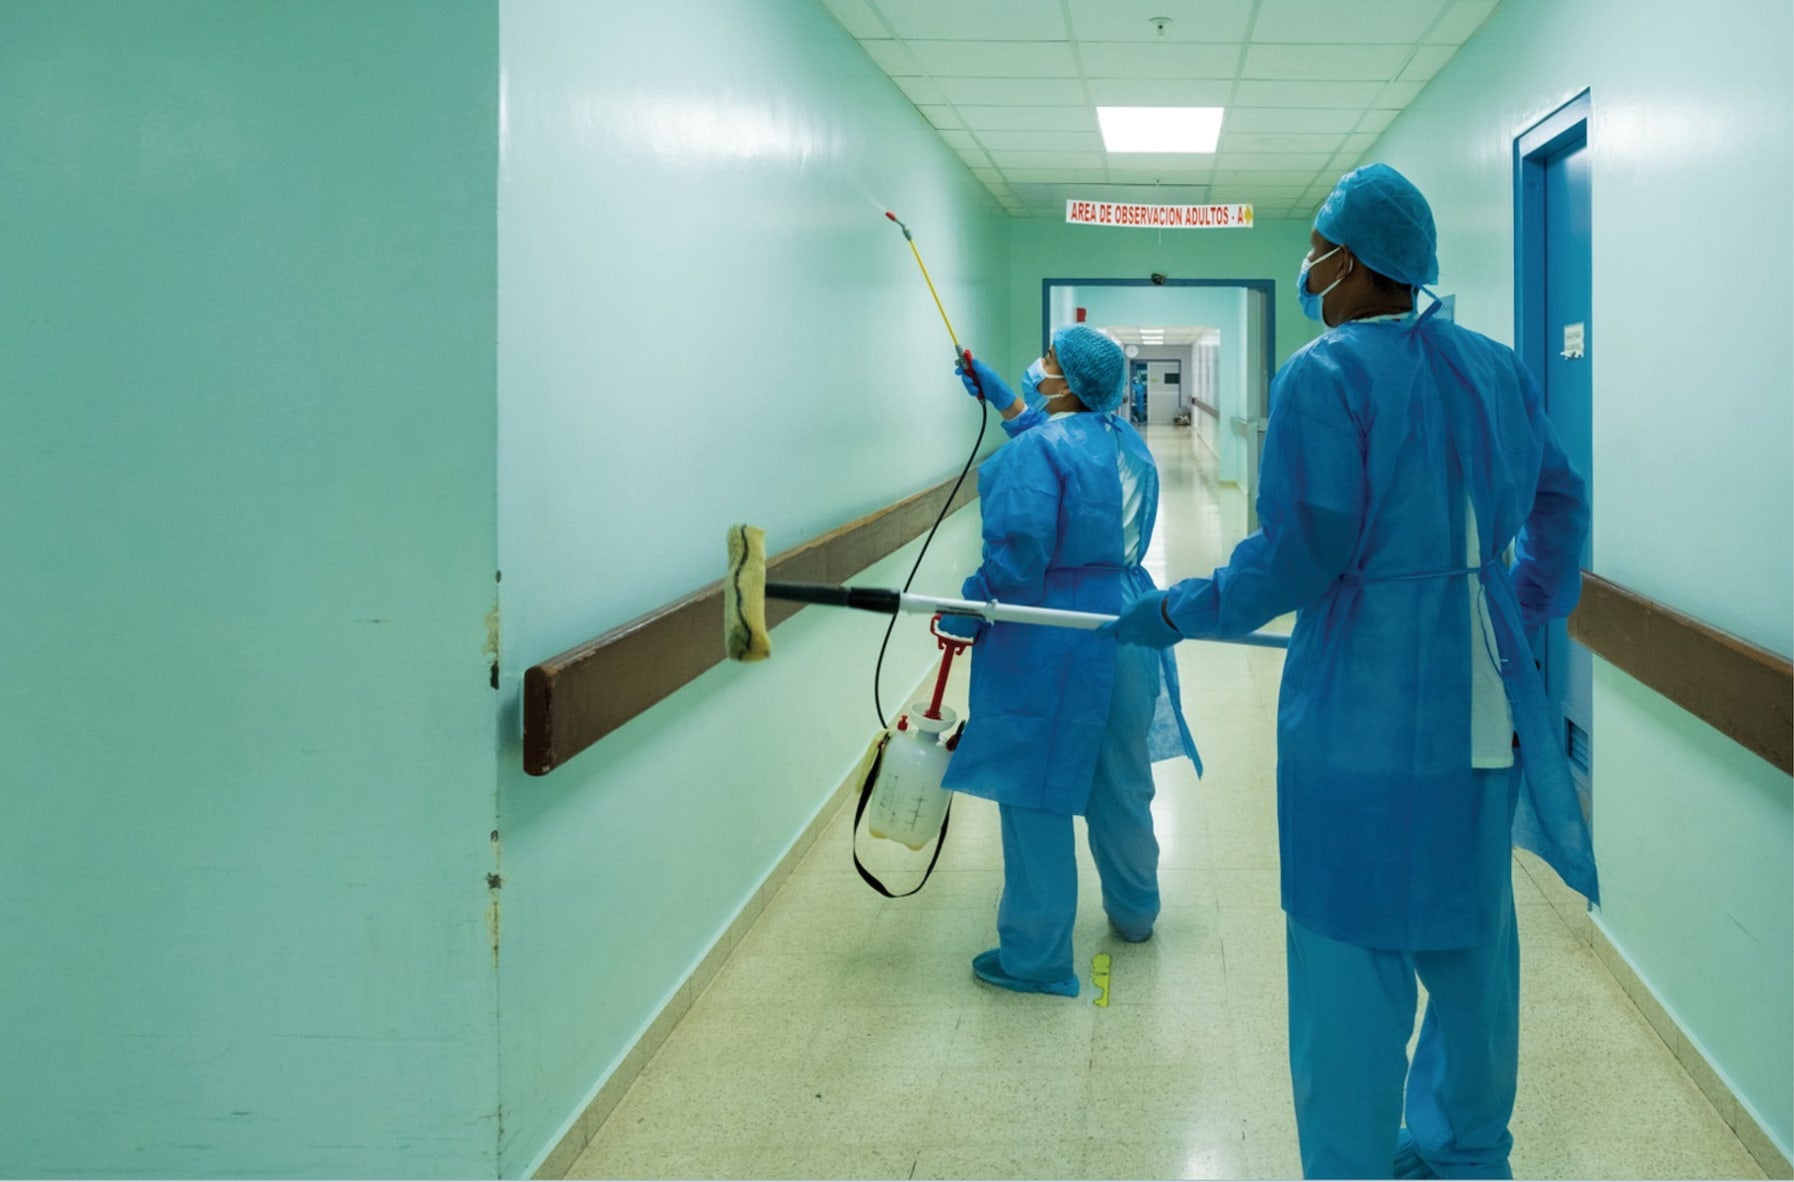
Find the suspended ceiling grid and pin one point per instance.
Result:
(1308, 85)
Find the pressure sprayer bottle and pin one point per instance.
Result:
(908, 801)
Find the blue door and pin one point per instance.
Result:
(1557, 323)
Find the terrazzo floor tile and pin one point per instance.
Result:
(1003, 1154)
(1174, 1157)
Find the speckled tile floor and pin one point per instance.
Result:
(847, 1038)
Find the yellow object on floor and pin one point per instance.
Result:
(1099, 977)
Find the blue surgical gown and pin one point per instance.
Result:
(1053, 537)
(1378, 433)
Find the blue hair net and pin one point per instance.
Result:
(1381, 216)
(1093, 365)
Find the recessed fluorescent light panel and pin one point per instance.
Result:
(1160, 129)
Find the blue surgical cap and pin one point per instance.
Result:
(1379, 214)
(1093, 365)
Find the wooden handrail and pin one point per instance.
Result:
(572, 700)
(1739, 689)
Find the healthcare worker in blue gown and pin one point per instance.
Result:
(1414, 739)
(1064, 723)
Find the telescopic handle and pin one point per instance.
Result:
(870, 599)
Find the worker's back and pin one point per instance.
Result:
(1389, 444)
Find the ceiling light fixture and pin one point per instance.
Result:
(1160, 129)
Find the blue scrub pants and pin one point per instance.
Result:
(1040, 869)
(1351, 1011)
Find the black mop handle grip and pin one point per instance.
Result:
(870, 599)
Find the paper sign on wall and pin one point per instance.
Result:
(1159, 217)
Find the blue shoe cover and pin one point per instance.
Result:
(988, 968)
(1131, 935)
(1408, 1162)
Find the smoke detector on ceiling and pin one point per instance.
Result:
(1158, 23)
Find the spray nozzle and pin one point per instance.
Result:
(900, 225)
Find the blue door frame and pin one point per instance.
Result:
(1266, 287)
(1551, 285)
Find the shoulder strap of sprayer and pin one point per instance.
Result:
(859, 811)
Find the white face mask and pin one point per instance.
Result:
(1311, 301)
(1031, 391)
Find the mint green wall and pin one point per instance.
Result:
(1693, 453)
(1043, 249)
(704, 318)
(248, 437)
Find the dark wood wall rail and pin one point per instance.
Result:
(1742, 691)
(572, 700)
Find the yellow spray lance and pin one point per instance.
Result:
(961, 355)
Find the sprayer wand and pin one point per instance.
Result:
(960, 355)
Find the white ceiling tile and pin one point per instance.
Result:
(1311, 120)
(987, 20)
(974, 157)
(1182, 195)
(1269, 161)
(1158, 92)
(893, 58)
(1399, 94)
(1191, 20)
(1163, 163)
(1304, 94)
(1041, 141)
(1019, 92)
(1037, 160)
(1256, 141)
(989, 176)
(942, 117)
(960, 141)
(1428, 59)
(995, 59)
(1464, 18)
(1147, 194)
(1167, 178)
(857, 17)
(1257, 194)
(1356, 22)
(1359, 142)
(1080, 118)
(1343, 163)
(1268, 177)
(1026, 176)
(1182, 60)
(1377, 120)
(921, 92)
(1325, 63)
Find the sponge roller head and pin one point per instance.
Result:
(744, 596)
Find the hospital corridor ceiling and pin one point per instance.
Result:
(1307, 86)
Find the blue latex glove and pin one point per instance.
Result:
(964, 627)
(996, 393)
(1144, 623)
